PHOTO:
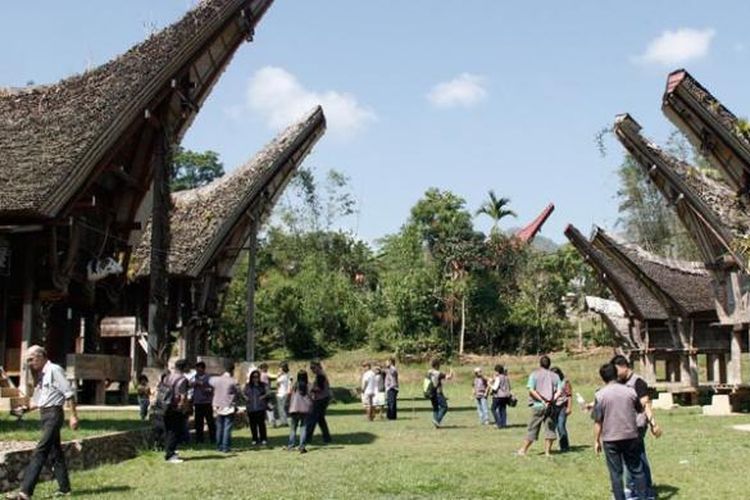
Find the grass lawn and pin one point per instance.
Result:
(91, 423)
(698, 457)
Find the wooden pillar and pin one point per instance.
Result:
(712, 367)
(252, 249)
(692, 374)
(673, 369)
(735, 353)
(648, 368)
(159, 288)
(722, 361)
(29, 321)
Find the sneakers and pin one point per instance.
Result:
(61, 494)
(174, 459)
(264, 443)
(436, 424)
(254, 443)
(303, 450)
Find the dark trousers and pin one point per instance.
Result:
(318, 417)
(257, 421)
(391, 399)
(174, 428)
(439, 407)
(49, 446)
(625, 455)
(204, 414)
(500, 411)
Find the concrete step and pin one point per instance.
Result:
(7, 404)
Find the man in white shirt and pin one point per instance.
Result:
(51, 391)
(369, 389)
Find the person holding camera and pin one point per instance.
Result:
(51, 392)
(544, 388)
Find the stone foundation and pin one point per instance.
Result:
(80, 454)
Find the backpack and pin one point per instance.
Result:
(164, 397)
(428, 387)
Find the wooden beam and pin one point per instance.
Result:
(251, 261)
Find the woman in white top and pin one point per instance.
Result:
(283, 383)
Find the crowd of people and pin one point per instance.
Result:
(621, 410)
(298, 401)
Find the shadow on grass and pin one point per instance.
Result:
(578, 448)
(244, 443)
(666, 491)
(101, 491)
(206, 457)
(333, 410)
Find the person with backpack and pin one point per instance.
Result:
(564, 407)
(480, 390)
(300, 406)
(256, 396)
(224, 403)
(171, 399)
(433, 390)
(500, 389)
(544, 388)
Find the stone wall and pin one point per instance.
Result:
(84, 453)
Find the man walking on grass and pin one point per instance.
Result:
(544, 388)
(174, 392)
(616, 432)
(628, 377)
(437, 396)
(202, 398)
(51, 392)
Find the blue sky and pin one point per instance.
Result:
(467, 96)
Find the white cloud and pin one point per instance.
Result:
(281, 99)
(465, 90)
(677, 47)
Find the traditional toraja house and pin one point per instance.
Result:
(709, 211)
(210, 227)
(527, 233)
(76, 162)
(669, 307)
(714, 130)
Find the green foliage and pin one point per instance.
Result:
(191, 170)
(495, 209)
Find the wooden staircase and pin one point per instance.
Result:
(10, 396)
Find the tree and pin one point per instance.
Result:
(495, 209)
(191, 169)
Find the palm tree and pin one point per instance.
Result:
(496, 209)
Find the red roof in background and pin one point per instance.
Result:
(528, 233)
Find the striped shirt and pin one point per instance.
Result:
(52, 388)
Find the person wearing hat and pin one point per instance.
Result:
(481, 388)
(51, 391)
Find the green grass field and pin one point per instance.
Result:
(698, 457)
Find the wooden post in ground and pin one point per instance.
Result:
(735, 364)
(252, 248)
(159, 289)
(648, 368)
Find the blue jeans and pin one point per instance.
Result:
(562, 430)
(297, 420)
(629, 482)
(484, 417)
(500, 412)
(439, 407)
(625, 456)
(143, 404)
(224, 424)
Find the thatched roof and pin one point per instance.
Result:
(709, 125)
(203, 219)
(707, 206)
(529, 232)
(613, 315)
(53, 137)
(687, 284)
(634, 297)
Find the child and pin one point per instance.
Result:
(480, 391)
(300, 405)
(256, 395)
(144, 395)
